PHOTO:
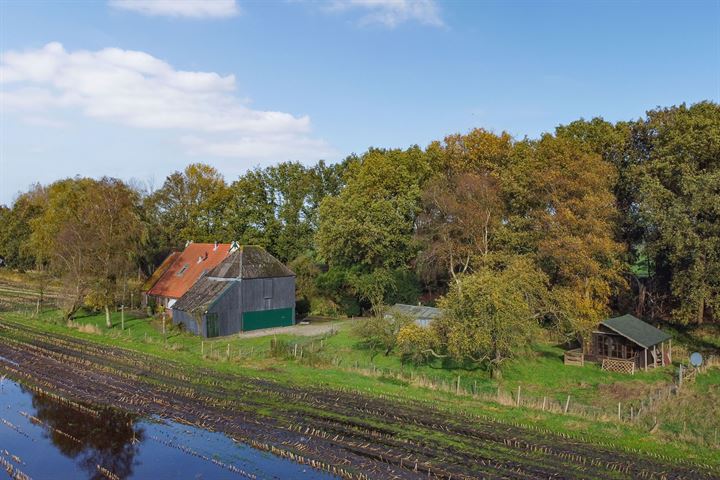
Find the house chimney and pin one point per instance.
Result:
(234, 246)
(199, 258)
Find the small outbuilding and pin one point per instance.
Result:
(627, 343)
(248, 290)
(421, 314)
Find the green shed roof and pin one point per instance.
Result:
(636, 330)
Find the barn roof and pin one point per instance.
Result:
(636, 330)
(247, 262)
(201, 295)
(416, 311)
(251, 261)
(196, 260)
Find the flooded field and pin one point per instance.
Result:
(45, 439)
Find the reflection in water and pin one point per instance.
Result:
(46, 439)
(110, 439)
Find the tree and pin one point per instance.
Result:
(189, 206)
(477, 151)
(679, 176)
(568, 221)
(373, 287)
(15, 232)
(381, 331)
(276, 207)
(89, 234)
(371, 222)
(492, 314)
(457, 224)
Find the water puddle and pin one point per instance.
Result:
(45, 439)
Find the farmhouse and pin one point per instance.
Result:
(181, 270)
(248, 290)
(627, 343)
(421, 314)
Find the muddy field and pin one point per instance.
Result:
(346, 433)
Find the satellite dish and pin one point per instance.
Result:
(696, 359)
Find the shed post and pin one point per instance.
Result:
(662, 353)
(654, 356)
(646, 359)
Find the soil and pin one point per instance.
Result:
(348, 433)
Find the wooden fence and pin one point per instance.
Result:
(574, 357)
(618, 365)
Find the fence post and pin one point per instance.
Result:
(202, 348)
(619, 417)
(544, 402)
(457, 389)
(681, 377)
(567, 404)
(122, 317)
(517, 400)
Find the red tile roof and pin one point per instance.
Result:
(159, 271)
(186, 269)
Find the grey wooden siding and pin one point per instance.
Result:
(188, 321)
(268, 293)
(227, 306)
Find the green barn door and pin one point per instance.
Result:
(213, 326)
(280, 317)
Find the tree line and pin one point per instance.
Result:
(504, 233)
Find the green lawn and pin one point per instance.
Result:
(541, 372)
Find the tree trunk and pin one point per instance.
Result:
(701, 311)
(642, 291)
(108, 323)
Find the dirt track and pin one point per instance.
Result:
(350, 434)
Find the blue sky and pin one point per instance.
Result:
(138, 89)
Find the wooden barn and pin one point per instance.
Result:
(627, 343)
(249, 290)
(181, 270)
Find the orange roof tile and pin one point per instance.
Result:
(186, 269)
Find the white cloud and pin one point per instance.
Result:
(136, 89)
(262, 148)
(391, 13)
(180, 8)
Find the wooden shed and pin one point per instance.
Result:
(249, 290)
(627, 343)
